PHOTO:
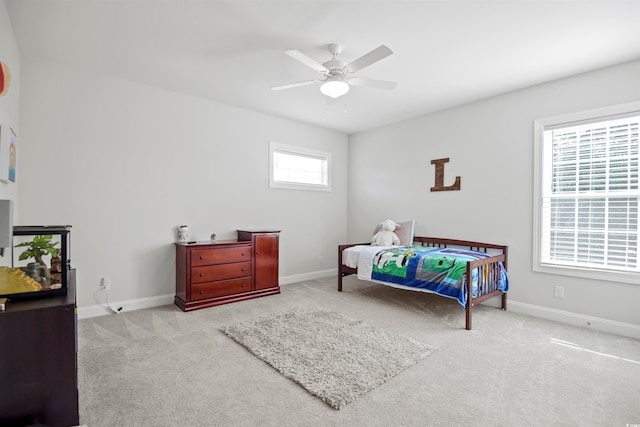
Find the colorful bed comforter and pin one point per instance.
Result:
(438, 270)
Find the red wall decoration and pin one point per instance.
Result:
(4, 78)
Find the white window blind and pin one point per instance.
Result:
(589, 195)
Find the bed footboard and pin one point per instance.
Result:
(488, 273)
(487, 283)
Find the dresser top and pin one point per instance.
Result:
(229, 242)
(209, 242)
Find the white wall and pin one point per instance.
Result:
(490, 146)
(125, 164)
(10, 102)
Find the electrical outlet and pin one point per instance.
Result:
(105, 284)
(559, 291)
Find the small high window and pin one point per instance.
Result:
(299, 168)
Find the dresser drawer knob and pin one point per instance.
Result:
(201, 257)
(242, 253)
(202, 291)
(201, 274)
(242, 285)
(257, 252)
(242, 268)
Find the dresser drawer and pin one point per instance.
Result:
(220, 255)
(222, 288)
(220, 272)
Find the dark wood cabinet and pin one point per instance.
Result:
(266, 247)
(38, 361)
(214, 273)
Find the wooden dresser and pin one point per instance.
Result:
(38, 361)
(214, 273)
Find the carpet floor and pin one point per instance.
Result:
(163, 367)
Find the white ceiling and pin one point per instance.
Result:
(446, 53)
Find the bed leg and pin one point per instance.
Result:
(339, 269)
(504, 302)
(469, 284)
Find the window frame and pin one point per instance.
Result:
(302, 152)
(540, 125)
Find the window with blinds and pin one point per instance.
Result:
(587, 194)
(298, 168)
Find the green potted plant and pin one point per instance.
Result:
(37, 248)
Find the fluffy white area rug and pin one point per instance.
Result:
(336, 358)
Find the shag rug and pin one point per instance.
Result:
(336, 358)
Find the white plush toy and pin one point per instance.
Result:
(385, 235)
(183, 234)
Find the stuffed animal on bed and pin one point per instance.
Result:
(385, 234)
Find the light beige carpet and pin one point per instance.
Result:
(334, 357)
(162, 367)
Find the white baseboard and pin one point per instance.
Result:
(130, 305)
(139, 304)
(575, 319)
(308, 276)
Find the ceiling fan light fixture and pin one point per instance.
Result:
(334, 88)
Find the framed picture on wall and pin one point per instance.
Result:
(8, 154)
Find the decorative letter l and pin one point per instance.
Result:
(439, 185)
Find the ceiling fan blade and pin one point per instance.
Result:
(367, 59)
(301, 57)
(378, 84)
(290, 85)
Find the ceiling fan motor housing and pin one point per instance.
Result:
(335, 67)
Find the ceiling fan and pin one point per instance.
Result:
(337, 74)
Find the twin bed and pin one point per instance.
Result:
(469, 272)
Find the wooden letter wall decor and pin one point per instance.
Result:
(439, 184)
